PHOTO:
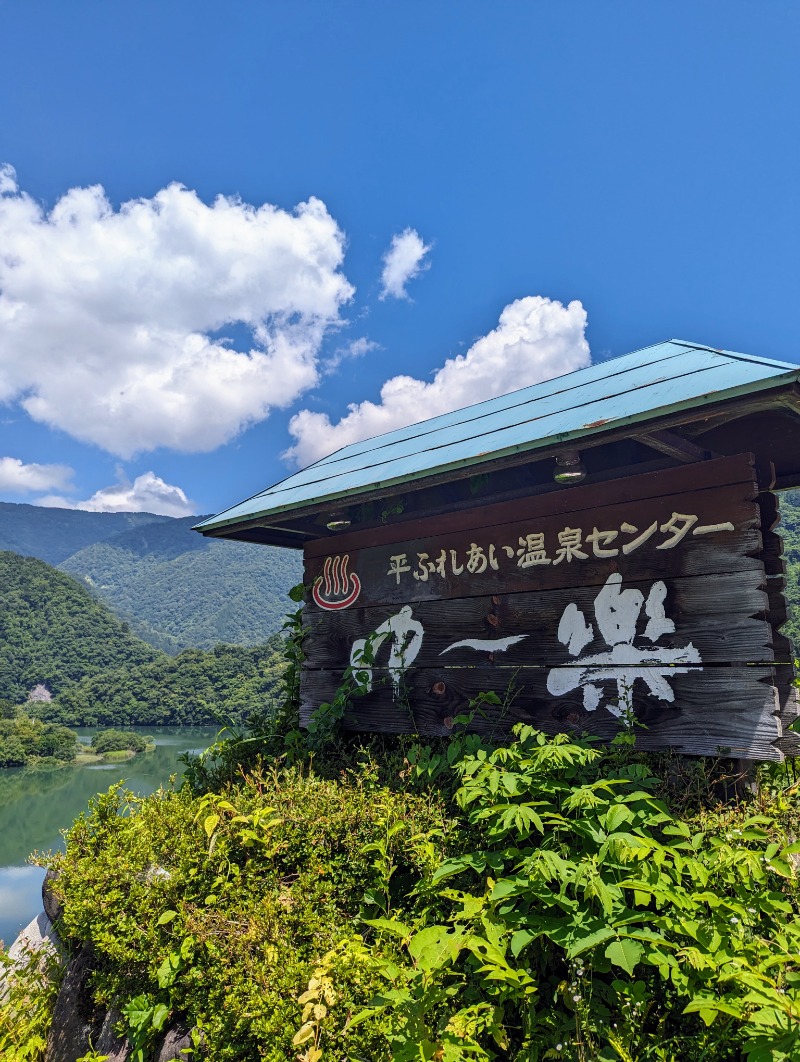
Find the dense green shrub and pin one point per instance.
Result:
(12, 753)
(604, 927)
(444, 902)
(25, 740)
(118, 741)
(222, 906)
(191, 688)
(28, 994)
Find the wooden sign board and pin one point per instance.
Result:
(648, 597)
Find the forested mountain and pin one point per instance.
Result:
(175, 588)
(169, 581)
(54, 632)
(193, 687)
(52, 535)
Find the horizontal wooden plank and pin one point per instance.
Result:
(716, 710)
(702, 476)
(625, 537)
(723, 616)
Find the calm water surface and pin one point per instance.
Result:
(36, 805)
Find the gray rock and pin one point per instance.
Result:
(70, 1032)
(37, 936)
(53, 907)
(38, 939)
(177, 1044)
(108, 1043)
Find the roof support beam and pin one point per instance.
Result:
(667, 442)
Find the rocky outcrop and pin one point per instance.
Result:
(116, 1048)
(177, 1044)
(38, 943)
(37, 938)
(71, 1030)
(53, 907)
(78, 1025)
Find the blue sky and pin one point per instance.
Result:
(572, 181)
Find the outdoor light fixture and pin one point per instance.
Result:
(569, 469)
(337, 522)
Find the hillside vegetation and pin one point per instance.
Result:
(54, 632)
(192, 688)
(175, 588)
(52, 535)
(179, 589)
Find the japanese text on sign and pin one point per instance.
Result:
(531, 549)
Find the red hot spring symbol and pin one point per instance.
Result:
(335, 589)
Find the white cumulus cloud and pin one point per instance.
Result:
(147, 494)
(20, 478)
(404, 260)
(536, 339)
(8, 179)
(357, 348)
(112, 322)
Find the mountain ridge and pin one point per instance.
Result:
(176, 589)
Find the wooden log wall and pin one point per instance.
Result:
(658, 597)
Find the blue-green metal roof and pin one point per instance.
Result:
(633, 389)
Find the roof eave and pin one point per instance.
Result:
(591, 431)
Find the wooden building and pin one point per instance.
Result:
(592, 548)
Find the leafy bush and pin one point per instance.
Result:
(12, 753)
(28, 988)
(602, 928)
(118, 741)
(223, 906)
(25, 740)
(444, 902)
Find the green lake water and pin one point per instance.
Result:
(36, 805)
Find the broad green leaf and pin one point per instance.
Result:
(521, 939)
(616, 816)
(160, 1015)
(434, 946)
(780, 866)
(581, 944)
(210, 824)
(485, 949)
(167, 916)
(707, 1003)
(303, 1034)
(677, 829)
(167, 971)
(390, 925)
(625, 953)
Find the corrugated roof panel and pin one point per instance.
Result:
(534, 415)
(635, 387)
(558, 385)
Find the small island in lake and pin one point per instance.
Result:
(112, 746)
(26, 741)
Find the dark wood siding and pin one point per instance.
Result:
(649, 595)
